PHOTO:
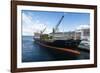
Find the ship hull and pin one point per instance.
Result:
(61, 43)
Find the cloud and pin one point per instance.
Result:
(83, 26)
(29, 25)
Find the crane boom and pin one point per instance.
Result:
(43, 30)
(56, 28)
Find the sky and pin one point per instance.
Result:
(36, 21)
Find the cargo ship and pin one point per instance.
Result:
(70, 43)
(58, 40)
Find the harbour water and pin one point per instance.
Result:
(32, 52)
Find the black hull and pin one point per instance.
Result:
(58, 47)
(61, 43)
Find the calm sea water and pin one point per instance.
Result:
(32, 52)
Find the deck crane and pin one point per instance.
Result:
(43, 30)
(56, 27)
